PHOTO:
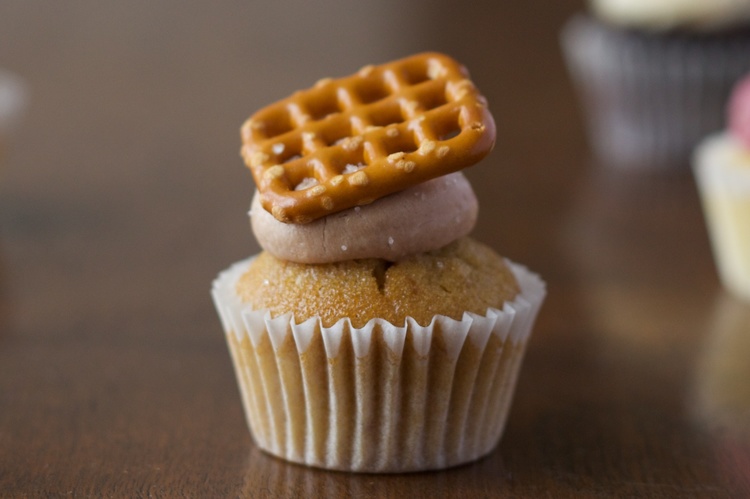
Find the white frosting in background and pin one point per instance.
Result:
(722, 168)
(722, 164)
(703, 15)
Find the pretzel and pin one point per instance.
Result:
(347, 142)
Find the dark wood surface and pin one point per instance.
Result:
(122, 195)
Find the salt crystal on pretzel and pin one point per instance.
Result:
(349, 141)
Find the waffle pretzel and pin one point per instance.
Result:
(347, 142)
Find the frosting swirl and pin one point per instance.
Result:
(738, 112)
(702, 15)
(425, 217)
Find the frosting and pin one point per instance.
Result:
(671, 14)
(738, 112)
(422, 218)
(723, 163)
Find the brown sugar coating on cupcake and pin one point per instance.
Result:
(464, 276)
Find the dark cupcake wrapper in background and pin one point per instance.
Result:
(649, 97)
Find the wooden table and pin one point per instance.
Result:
(122, 195)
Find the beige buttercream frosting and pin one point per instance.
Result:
(670, 14)
(422, 218)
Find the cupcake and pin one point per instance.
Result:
(372, 334)
(722, 170)
(654, 76)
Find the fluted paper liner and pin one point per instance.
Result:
(380, 398)
(723, 181)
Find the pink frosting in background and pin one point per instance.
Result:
(739, 112)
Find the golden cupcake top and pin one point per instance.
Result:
(465, 276)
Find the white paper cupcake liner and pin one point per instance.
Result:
(649, 98)
(722, 172)
(380, 398)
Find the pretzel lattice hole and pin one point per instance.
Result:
(453, 132)
(372, 90)
(387, 115)
(323, 105)
(273, 123)
(434, 98)
(290, 152)
(337, 135)
(401, 143)
(447, 128)
(415, 73)
(300, 176)
(349, 162)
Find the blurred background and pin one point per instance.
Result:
(122, 194)
(126, 162)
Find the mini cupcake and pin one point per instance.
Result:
(654, 76)
(722, 169)
(375, 335)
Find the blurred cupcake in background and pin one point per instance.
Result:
(722, 170)
(12, 102)
(654, 75)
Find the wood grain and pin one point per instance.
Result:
(123, 194)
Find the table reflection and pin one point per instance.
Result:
(722, 391)
(624, 238)
(295, 480)
(4, 299)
